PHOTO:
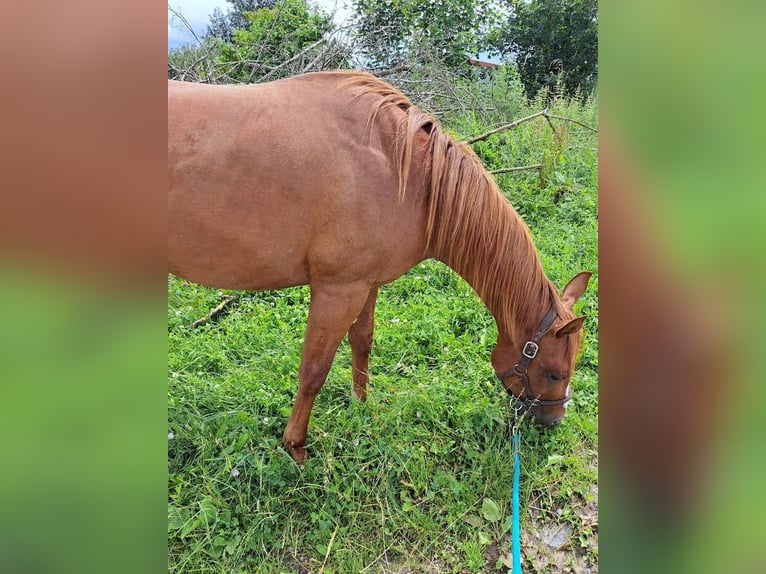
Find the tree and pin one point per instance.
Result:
(290, 38)
(554, 42)
(391, 31)
(222, 24)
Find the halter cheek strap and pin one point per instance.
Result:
(529, 352)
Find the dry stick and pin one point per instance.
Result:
(450, 110)
(550, 123)
(286, 62)
(193, 67)
(327, 49)
(587, 127)
(513, 124)
(505, 127)
(185, 22)
(458, 99)
(392, 71)
(215, 311)
(263, 44)
(519, 168)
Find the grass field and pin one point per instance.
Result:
(418, 478)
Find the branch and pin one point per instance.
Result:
(587, 127)
(513, 124)
(550, 123)
(450, 110)
(266, 39)
(285, 63)
(520, 168)
(326, 50)
(451, 87)
(215, 311)
(391, 71)
(182, 74)
(177, 14)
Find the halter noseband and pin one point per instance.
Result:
(529, 352)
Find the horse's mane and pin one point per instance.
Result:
(471, 226)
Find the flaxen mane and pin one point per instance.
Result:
(471, 226)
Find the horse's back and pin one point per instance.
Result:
(278, 184)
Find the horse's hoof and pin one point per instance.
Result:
(299, 453)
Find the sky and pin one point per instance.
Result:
(197, 13)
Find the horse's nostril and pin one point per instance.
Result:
(550, 421)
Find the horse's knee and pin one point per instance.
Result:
(311, 387)
(312, 377)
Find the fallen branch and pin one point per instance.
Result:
(587, 127)
(283, 64)
(550, 123)
(215, 311)
(391, 71)
(450, 110)
(326, 50)
(513, 124)
(519, 168)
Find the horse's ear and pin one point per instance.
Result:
(575, 288)
(570, 326)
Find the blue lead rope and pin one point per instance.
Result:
(515, 542)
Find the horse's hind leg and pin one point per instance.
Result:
(332, 310)
(360, 337)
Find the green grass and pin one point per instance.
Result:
(417, 477)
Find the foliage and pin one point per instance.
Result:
(275, 36)
(290, 38)
(418, 477)
(552, 41)
(222, 24)
(392, 30)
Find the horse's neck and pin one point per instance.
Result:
(505, 271)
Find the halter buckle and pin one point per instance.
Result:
(530, 349)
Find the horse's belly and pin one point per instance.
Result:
(229, 253)
(239, 269)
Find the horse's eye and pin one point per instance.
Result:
(556, 378)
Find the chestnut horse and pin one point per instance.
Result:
(336, 180)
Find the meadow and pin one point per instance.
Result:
(418, 478)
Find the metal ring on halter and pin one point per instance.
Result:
(519, 371)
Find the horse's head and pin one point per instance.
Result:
(538, 370)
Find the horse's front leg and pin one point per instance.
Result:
(332, 310)
(360, 338)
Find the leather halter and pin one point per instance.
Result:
(529, 352)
